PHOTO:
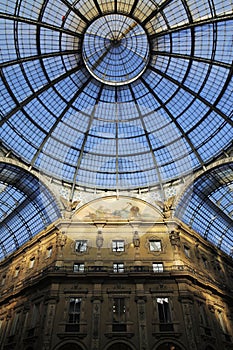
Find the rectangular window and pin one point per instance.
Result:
(202, 315)
(31, 263)
(35, 315)
(221, 321)
(187, 251)
(157, 267)
(118, 246)
(118, 267)
(78, 267)
(49, 252)
(81, 246)
(16, 271)
(119, 315)
(74, 315)
(1, 329)
(164, 314)
(155, 245)
(3, 280)
(205, 262)
(15, 324)
(25, 322)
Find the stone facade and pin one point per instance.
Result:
(116, 274)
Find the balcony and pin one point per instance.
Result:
(72, 327)
(119, 327)
(140, 269)
(119, 330)
(97, 269)
(100, 270)
(72, 330)
(166, 327)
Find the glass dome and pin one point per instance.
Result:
(116, 94)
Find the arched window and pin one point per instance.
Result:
(70, 346)
(168, 346)
(119, 346)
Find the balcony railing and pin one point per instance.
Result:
(102, 269)
(166, 327)
(107, 270)
(119, 327)
(72, 327)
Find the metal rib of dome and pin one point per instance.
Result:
(162, 112)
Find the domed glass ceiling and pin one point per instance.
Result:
(116, 94)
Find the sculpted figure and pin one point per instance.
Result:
(166, 206)
(175, 237)
(69, 205)
(61, 240)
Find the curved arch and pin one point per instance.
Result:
(112, 206)
(207, 205)
(168, 345)
(27, 206)
(69, 345)
(119, 345)
(39, 176)
(209, 347)
(189, 180)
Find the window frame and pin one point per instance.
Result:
(222, 321)
(83, 246)
(49, 252)
(187, 251)
(79, 267)
(73, 322)
(154, 248)
(119, 317)
(3, 281)
(118, 267)
(31, 262)
(164, 310)
(205, 262)
(159, 265)
(119, 245)
(16, 274)
(74, 311)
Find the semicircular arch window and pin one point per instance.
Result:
(207, 206)
(26, 208)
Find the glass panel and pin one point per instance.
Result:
(81, 246)
(164, 310)
(118, 246)
(157, 267)
(119, 310)
(155, 245)
(118, 267)
(78, 267)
